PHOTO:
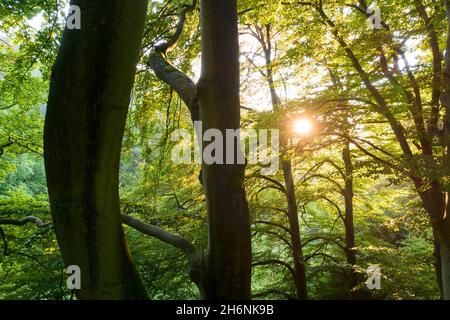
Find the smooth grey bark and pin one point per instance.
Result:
(20, 222)
(228, 258)
(85, 119)
(224, 269)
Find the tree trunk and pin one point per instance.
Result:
(445, 259)
(294, 228)
(350, 252)
(435, 203)
(444, 224)
(347, 174)
(228, 260)
(437, 261)
(85, 119)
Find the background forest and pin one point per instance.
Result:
(334, 84)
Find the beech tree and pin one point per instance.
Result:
(224, 270)
(85, 118)
(87, 123)
(362, 110)
(425, 135)
(264, 34)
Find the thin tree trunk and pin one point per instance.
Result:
(294, 228)
(348, 221)
(348, 194)
(228, 260)
(85, 119)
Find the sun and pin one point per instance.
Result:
(302, 126)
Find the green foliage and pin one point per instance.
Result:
(391, 227)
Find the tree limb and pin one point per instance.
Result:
(276, 261)
(273, 224)
(170, 238)
(166, 72)
(30, 219)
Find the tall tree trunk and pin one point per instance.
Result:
(441, 225)
(434, 201)
(437, 260)
(294, 228)
(444, 222)
(350, 252)
(85, 119)
(445, 255)
(348, 220)
(228, 260)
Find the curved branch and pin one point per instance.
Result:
(376, 147)
(278, 184)
(272, 208)
(286, 241)
(317, 175)
(179, 81)
(334, 205)
(276, 261)
(30, 219)
(373, 156)
(273, 224)
(327, 240)
(172, 42)
(166, 72)
(170, 238)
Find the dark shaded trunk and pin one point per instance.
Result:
(441, 226)
(294, 228)
(85, 119)
(347, 175)
(445, 257)
(435, 203)
(350, 251)
(228, 259)
(437, 261)
(444, 224)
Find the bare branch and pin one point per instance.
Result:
(166, 72)
(273, 224)
(275, 261)
(30, 219)
(170, 238)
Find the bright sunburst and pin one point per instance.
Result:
(303, 126)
